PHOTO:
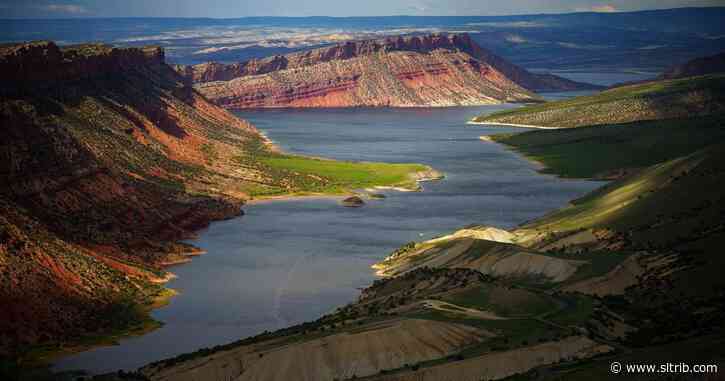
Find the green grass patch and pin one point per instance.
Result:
(306, 175)
(504, 301)
(599, 263)
(677, 97)
(577, 311)
(660, 206)
(601, 150)
(511, 333)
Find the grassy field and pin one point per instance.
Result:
(599, 263)
(647, 101)
(578, 310)
(601, 151)
(296, 175)
(511, 333)
(315, 175)
(503, 300)
(677, 190)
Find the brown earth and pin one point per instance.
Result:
(488, 257)
(614, 282)
(357, 353)
(107, 159)
(431, 70)
(496, 366)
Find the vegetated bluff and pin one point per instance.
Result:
(431, 70)
(106, 159)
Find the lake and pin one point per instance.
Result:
(285, 262)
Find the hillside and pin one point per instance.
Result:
(612, 151)
(642, 253)
(627, 269)
(432, 70)
(627, 272)
(108, 159)
(401, 326)
(696, 67)
(656, 100)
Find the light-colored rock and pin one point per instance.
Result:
(362, 352)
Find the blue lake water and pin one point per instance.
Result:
(286, 262)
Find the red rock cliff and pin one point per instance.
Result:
(106, 159)
(432, 70)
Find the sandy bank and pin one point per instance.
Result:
(292, 197)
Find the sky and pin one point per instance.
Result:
(243, 8)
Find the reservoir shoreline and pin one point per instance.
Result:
(267, 266)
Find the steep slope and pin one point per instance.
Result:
(696, 67)
(488, 257)
(612, 151)
(343, 355)
(399, 326)
(433, 70)
(108, 159)
(103, 168)
(663, 99)
(646, 247)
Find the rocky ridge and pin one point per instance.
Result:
(430, 70)
(108, 159)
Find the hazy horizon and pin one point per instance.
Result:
(229, 9)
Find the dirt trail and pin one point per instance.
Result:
(472, 312)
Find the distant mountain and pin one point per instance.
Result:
(586, 41)
(431, 70)
(697, 66)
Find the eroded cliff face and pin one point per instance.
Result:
(432, 70)
(106, 159)
(37, 62)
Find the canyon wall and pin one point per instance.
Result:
(107, 158)
(432, 70)
(44, 64)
